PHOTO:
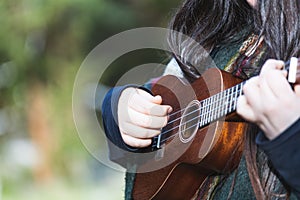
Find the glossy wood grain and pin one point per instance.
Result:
(215, 149)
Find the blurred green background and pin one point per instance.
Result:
(42, 44)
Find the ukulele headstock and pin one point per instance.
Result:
(293, 68)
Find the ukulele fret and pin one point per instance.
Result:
(202, 111)
(211, 109)
(219, 105)
(181, 144)
(206, 111)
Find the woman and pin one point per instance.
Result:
(243, 35)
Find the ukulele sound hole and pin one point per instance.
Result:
(189, 122)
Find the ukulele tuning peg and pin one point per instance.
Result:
(293, 69)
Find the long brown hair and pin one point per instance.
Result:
(278, 21)
(210, 23)
(214, 22)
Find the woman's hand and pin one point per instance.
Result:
(141, 117)
(269, 100)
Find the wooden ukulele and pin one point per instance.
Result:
(202, 139)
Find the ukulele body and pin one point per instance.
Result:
(189, 158)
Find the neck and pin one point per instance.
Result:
(220, 105)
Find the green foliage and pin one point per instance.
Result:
(43, 42)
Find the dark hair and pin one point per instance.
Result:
(278, 21)
(214, 22)
(210, 23)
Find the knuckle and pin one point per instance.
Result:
(269, 61)
(289, 103)
(247, 86)
(127, 93)
(143, 134)
(239, 109)
(269, 109)
(250, 84)
(131, 100)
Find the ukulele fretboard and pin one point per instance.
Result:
(211, 109)
(219, 105)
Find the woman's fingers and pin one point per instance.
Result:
(141, 116)
(276, 85)
(269, 100)
(245, 110)
(271, 64)
(144, 102)
(136, 142)
(146, 121)
(138, 131)
(251, 92)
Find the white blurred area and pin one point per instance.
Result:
(21, 162)
(97, 182)
(30, 148)
(20, 153)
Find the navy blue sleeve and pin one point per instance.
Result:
(284, 154)
(117, 147)
(118, 150)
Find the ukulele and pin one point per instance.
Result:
(203, 137)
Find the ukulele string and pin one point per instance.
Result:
(211, 103)
(176, 119)
(286, 67)
(203, 114)
(174, 113)
(172, 136)
(167, 131)
(178, 111)
(216, 108)
(165, 139)
(183, 110)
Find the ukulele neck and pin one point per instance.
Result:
(211, 109)
(223, 104)
(220, 105)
